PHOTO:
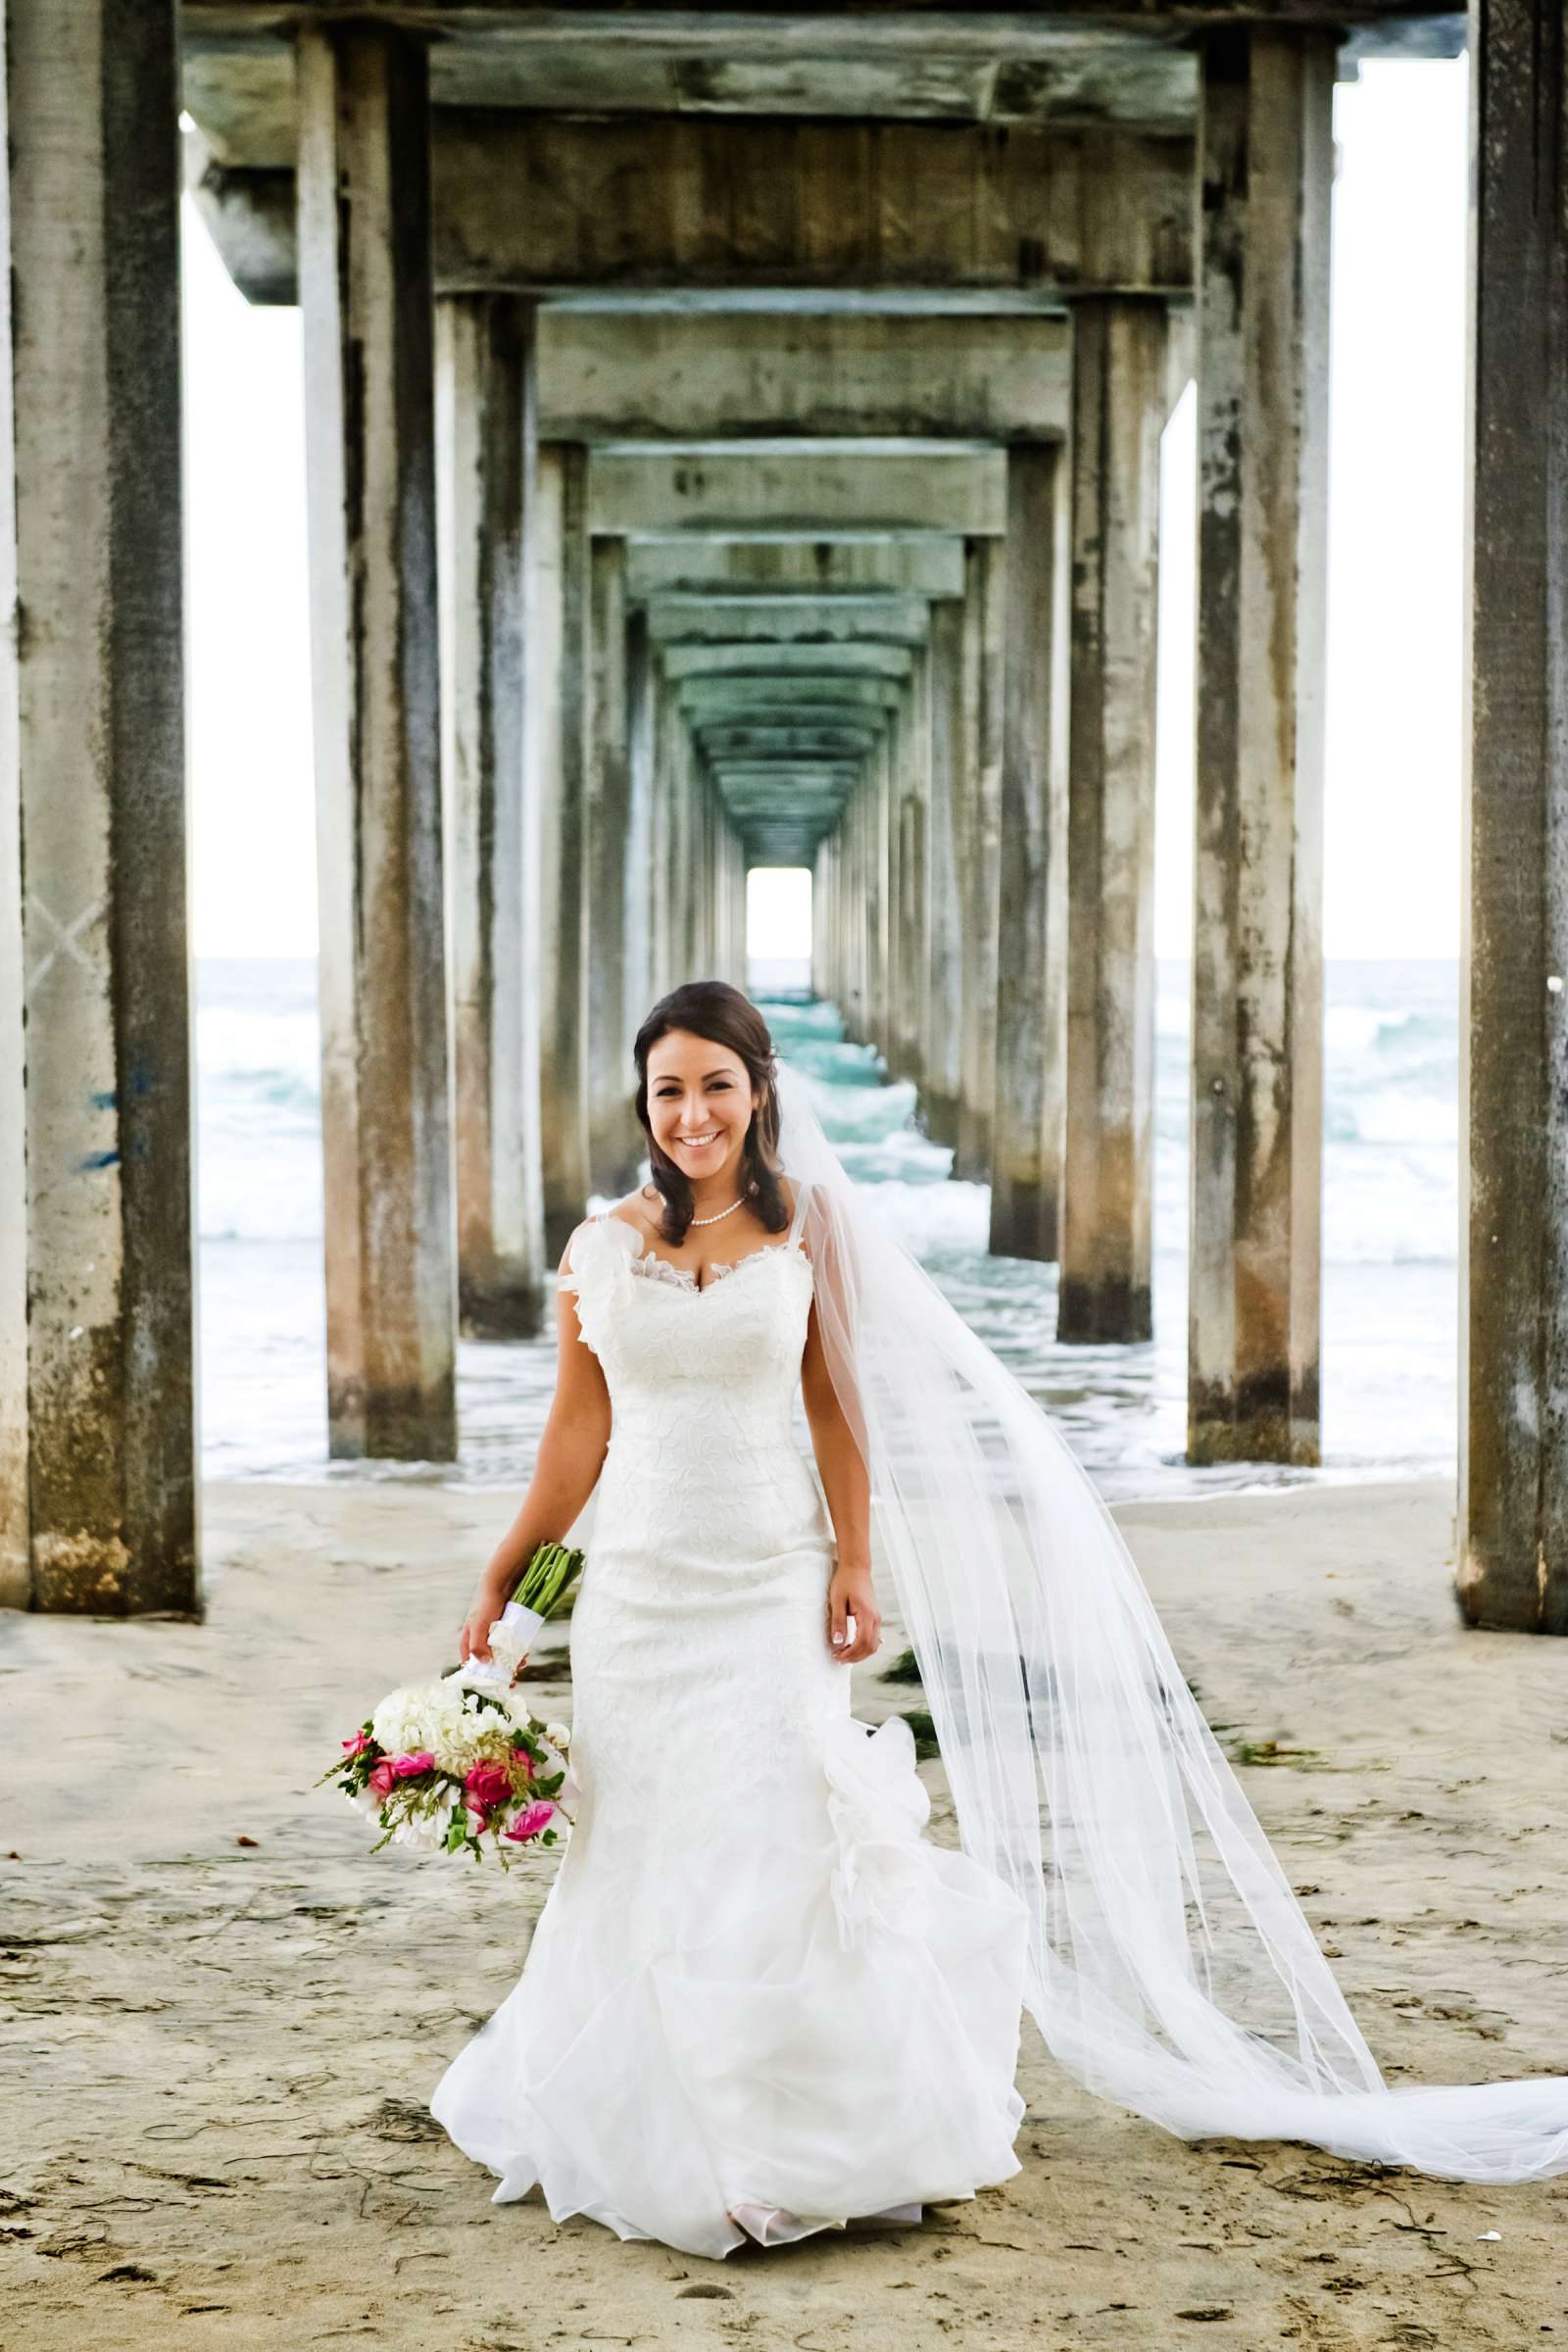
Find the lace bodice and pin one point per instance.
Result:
(657, 1268)
(660, 1334)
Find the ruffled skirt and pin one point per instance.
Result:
(805, 2016)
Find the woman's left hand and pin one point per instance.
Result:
(849, 1595)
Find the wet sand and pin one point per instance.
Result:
(214, 2055)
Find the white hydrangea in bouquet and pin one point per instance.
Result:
(462, 1763)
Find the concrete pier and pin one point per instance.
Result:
(1514, 1501)
(800, 512)
(554, 727)
(386, 1115)
(1119, 403)
(612, 1131)
(98, 1498)
(944, 1059)
(483, 406)
(1266, 166)
(979, 849)
(1032, 879)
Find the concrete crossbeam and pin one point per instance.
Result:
(914, 567)
(536, 204)
(609, 376)
(941, 487)
(803, 661)
(802, 619)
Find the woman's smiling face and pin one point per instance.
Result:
(700, 1104)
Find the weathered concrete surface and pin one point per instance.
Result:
(913, 566)
(613, 1131)
(641, 751)
(977, 819)
(824, 920)
(554, 725)
(789, 699)
(796, 663)
(98, 1507)
(942, 1053)
(1107, 1222)
(386, 1116)
(911, 978)
(1256, 1070)
(1032, 881)
(526, 203)
(484, 357)
(609, 376)
(1513, 1507)
(804, 490)
(1092, 64)
(799, 618)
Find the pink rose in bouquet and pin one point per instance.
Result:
(487, 1785)
(529, 1823)
(385, 1775)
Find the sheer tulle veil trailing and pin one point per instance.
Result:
(1171, 1967)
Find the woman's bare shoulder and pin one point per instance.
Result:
(642, 1208)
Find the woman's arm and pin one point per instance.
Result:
(567, 1469)
(846, 1487)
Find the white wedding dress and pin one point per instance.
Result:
(757, 1990)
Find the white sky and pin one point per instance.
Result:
(1394, 606)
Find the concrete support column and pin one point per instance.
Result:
(641, 724)
(386, 1112)
(554, 737)
(484, 362)
(914, 905)
(1119, 373)
(1266, 164)
(613, 1129)
(1513, 1463)
(682, 900)
(738, 867)
(1032, 894)
(822, 918)
(98, 1490)
(884, 881)
(707, 879)
(853, 826)
(830, 857)
(941, 1082)
(978, 816)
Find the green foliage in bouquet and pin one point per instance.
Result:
(547, 1578)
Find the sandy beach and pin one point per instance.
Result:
(223, 2017)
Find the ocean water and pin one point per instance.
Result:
(1390, 1229)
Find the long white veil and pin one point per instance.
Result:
(1171, 1966)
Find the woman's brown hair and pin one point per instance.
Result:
(711, 1008)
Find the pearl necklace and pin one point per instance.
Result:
(723, 1212)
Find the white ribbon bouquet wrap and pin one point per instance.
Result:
(512, 1635)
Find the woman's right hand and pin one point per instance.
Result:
(474, 1640)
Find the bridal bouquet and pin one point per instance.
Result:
(447, 1766)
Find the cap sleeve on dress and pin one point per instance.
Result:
(593, 1259)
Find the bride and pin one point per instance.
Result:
(759, 2001)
